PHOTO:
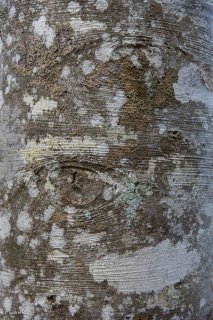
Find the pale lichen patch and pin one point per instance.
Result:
(34, 243)
(207, 75)
(5, 225)
(21, 239)
(41, 106)
(1, 46)
(88, 239)
(84, 26)
(24, 221)
(57, 256)
(107, 313)
(44, 31)
(6, 276)
(190, 87)
(105, 51)
(12, 12)
(97, 120)
(21, 16)
(108, 193)
(65, 72)
(33, 190)
(87, 67)
(57, 239)
(101, 5)
(148, 269)
(73, 309)
(7, 304)
(11, 83)
(48, 213)
(27, 310)
(9, 39)
(73, 7)
(135, 61)
(114, 105)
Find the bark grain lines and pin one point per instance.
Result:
(106, 145)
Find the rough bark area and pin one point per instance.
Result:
(106, 159)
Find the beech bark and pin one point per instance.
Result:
(106, 146)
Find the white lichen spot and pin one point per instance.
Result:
(6, 276)
(16, 58)
(35, 69)
(97, 120)
(42, 302)
(108, 193)
(87, 67)
(154, 58)
(88, 239)
(2, 260)
(114, 105)
(49, 186)
(135, 61)
(9, 39)
(11, 83)
(100, 149)
(20, 297)
(73, 7)
(1, 99)
(21, 239)
(101, 5)
(162, 128)
(65, 72)
(34, 243)
(57, 256)
(27, 310)
(81, 111)
(148, 79)
(104, 52)
(202, 303)
(7, 304)
(30, 279)
(207, 75)
(48, 213)
(107, 313)
(5, 225)
(148, 269)
(33, 190)
(70, 210)
(70, 217)
(21, 16)
(12, 12)
(24, 221)
(41, 106)
(44, 31)
(57, 239)
(1, 46)
(84, 26)
(190, 86)
(73, 309)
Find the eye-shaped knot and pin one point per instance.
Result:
(77, 186)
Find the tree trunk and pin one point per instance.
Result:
(106, 159)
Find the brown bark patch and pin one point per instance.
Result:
(48, 68)
(138, 112)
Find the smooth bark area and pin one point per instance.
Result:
(106, 146)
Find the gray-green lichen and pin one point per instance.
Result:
(105, 162)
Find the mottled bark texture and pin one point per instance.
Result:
(106, 159)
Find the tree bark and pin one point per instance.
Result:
(106, 159)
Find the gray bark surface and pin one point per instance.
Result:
(106, 149)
